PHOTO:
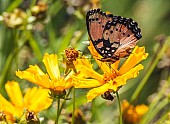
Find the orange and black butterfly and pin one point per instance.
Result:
(113, 37)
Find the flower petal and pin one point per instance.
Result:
(114, 85)
(115, 65)
(89, 72)
(83, 61)
(51, 64)
(60, 85)
(35, 75)
(8, 108)
(86, 83)
(28, 95)
(93, 51)
(97, 91)
(14, 92)
(85, 67)
(38, 99)
(137, 55)
(121, 80)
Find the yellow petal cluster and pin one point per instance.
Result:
(113, 77)
(35, 99)
(50, 80)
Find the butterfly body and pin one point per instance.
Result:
(112, 36)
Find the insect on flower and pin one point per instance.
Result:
(113, 37)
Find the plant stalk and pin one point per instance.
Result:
(120, 111)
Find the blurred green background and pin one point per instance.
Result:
(64, 25)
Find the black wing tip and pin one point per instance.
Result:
(138, 35)
(92, 11)
(99, 11)
(130, 23)
(133, 26)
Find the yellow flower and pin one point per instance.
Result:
(7, 110)
(52, 80)
(112, 78)
(35, 99)
(133, 114)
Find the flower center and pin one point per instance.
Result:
(109, 76)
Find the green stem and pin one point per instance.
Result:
(151, 68)
(63, 103)
(58, 110)
(73, 119)
(120, 111)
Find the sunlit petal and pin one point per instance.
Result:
(29, 94)
(97, 92)
(114, 85)
(14, 92)
(111, 77)
(52, 80)
(7, 107)
(121, 80)
(137, 56)
(89, 72)
(60, 85)
(39, 99)
(86, 83)
(30, 73)
(106, 67)
(93, 51)
(51, 64)
(115, 65)
(83, 61)
(35, 75)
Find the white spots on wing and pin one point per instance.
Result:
(107, 48)
(113, 51)
(109, 54)
(115, 45)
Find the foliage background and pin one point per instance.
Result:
(65, 26)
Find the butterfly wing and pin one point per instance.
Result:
(128, 34)
(96, 21)
(123, 34)
(112, 36)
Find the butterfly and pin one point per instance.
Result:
(113, 37)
